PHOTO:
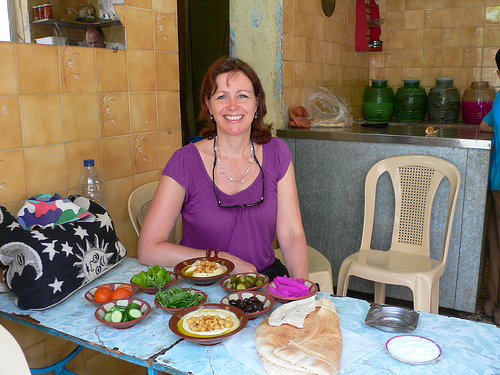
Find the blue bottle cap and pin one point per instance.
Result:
(88, 163)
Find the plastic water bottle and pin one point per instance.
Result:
(91, 185)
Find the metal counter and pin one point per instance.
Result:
(330, 169)
(450, 135)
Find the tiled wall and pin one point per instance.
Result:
(423, 39)
(60, 105)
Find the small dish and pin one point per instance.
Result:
(173, 310)
(245, 275)
(413, 349)
(210, 308)
(266, 299)
(144, 307)
(208, 280)
(89, 295)
(391, 318)
(154, 289)
(313, 289)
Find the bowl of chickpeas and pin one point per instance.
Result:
(208, 324)
(204, 271)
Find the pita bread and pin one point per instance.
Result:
(314, 349)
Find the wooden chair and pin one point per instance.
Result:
(415, 179)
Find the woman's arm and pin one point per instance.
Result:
(154, 247)
(289, 229)
(485, 127)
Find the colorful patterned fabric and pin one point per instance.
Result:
(46, 210)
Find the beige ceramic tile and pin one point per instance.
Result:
(472, 36)
(287, 47)
(143, 112)
(167, 6)
(38, 69)
(395, 21)
(288, 20)
(452, 37)
(414, 19)
(116, 157)
(413, 38)
(433, 4)
(81, 120)
(12, 178)
(169, 116)
(46, 169)
(139, 29)
(453, 17)
(114, 114)
(145, 151)
(169, 140)
(304, 24)
(141, 68)
(42, 119)
(393, 5)
(453, 3)
(474, 17)
(452, 57)
(111, 70)
(299, 48)
(117, 192)
(433, 18)
(57, 348)
(492, 36)
(8, 83)
(165, 32)
(432, 58)
(489, 56)
(36, 355)
(76, 153)
(394, 58)
(309, 56)
(10, 123)
(412, 58)
(433, 38)
(472, 56)
(491, 17)
(146, 4)
(167, 71)
(78, 74)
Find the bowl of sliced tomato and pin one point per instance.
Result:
(110, 292)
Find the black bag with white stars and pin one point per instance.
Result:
(44, 266)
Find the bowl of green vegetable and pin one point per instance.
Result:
(244, 281)
(177, 298)
(154, 279)
(123, 313)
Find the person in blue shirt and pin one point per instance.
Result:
(491, 123)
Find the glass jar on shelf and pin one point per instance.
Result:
(443, 101)
(378, 101)
(477, 101)
(410, 102)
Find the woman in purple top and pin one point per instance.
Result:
(235, 188)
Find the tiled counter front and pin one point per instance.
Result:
(331, 165)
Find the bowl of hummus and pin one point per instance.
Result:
(208, 324)
(204, 271)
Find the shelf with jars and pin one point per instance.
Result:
(368, 26)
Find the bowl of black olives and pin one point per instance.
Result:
(252, 302)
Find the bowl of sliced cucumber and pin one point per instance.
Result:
(123, 313)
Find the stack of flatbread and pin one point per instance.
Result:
(301, 337)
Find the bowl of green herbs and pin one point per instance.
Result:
(155, 279)
(177, 298)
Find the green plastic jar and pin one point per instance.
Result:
(410, 102)
(378, 101)
(443, 101)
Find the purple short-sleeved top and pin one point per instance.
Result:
(247, 232)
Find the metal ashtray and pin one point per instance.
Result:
(391, 318)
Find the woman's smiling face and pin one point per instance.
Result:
(233, 104)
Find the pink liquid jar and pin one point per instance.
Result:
(477, 102)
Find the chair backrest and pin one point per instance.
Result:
(138, 205)
(12, 358)
(415, 180)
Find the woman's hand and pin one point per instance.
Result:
(240, 266)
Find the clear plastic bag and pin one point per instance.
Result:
(327, 108)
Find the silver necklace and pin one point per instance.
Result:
(222, 170)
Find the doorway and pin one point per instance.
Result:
(203, 37)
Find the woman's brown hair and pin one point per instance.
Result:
(261, 132)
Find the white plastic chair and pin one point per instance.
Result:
(138, 204)
(12, 358)
(415, 179)
(320, 269)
